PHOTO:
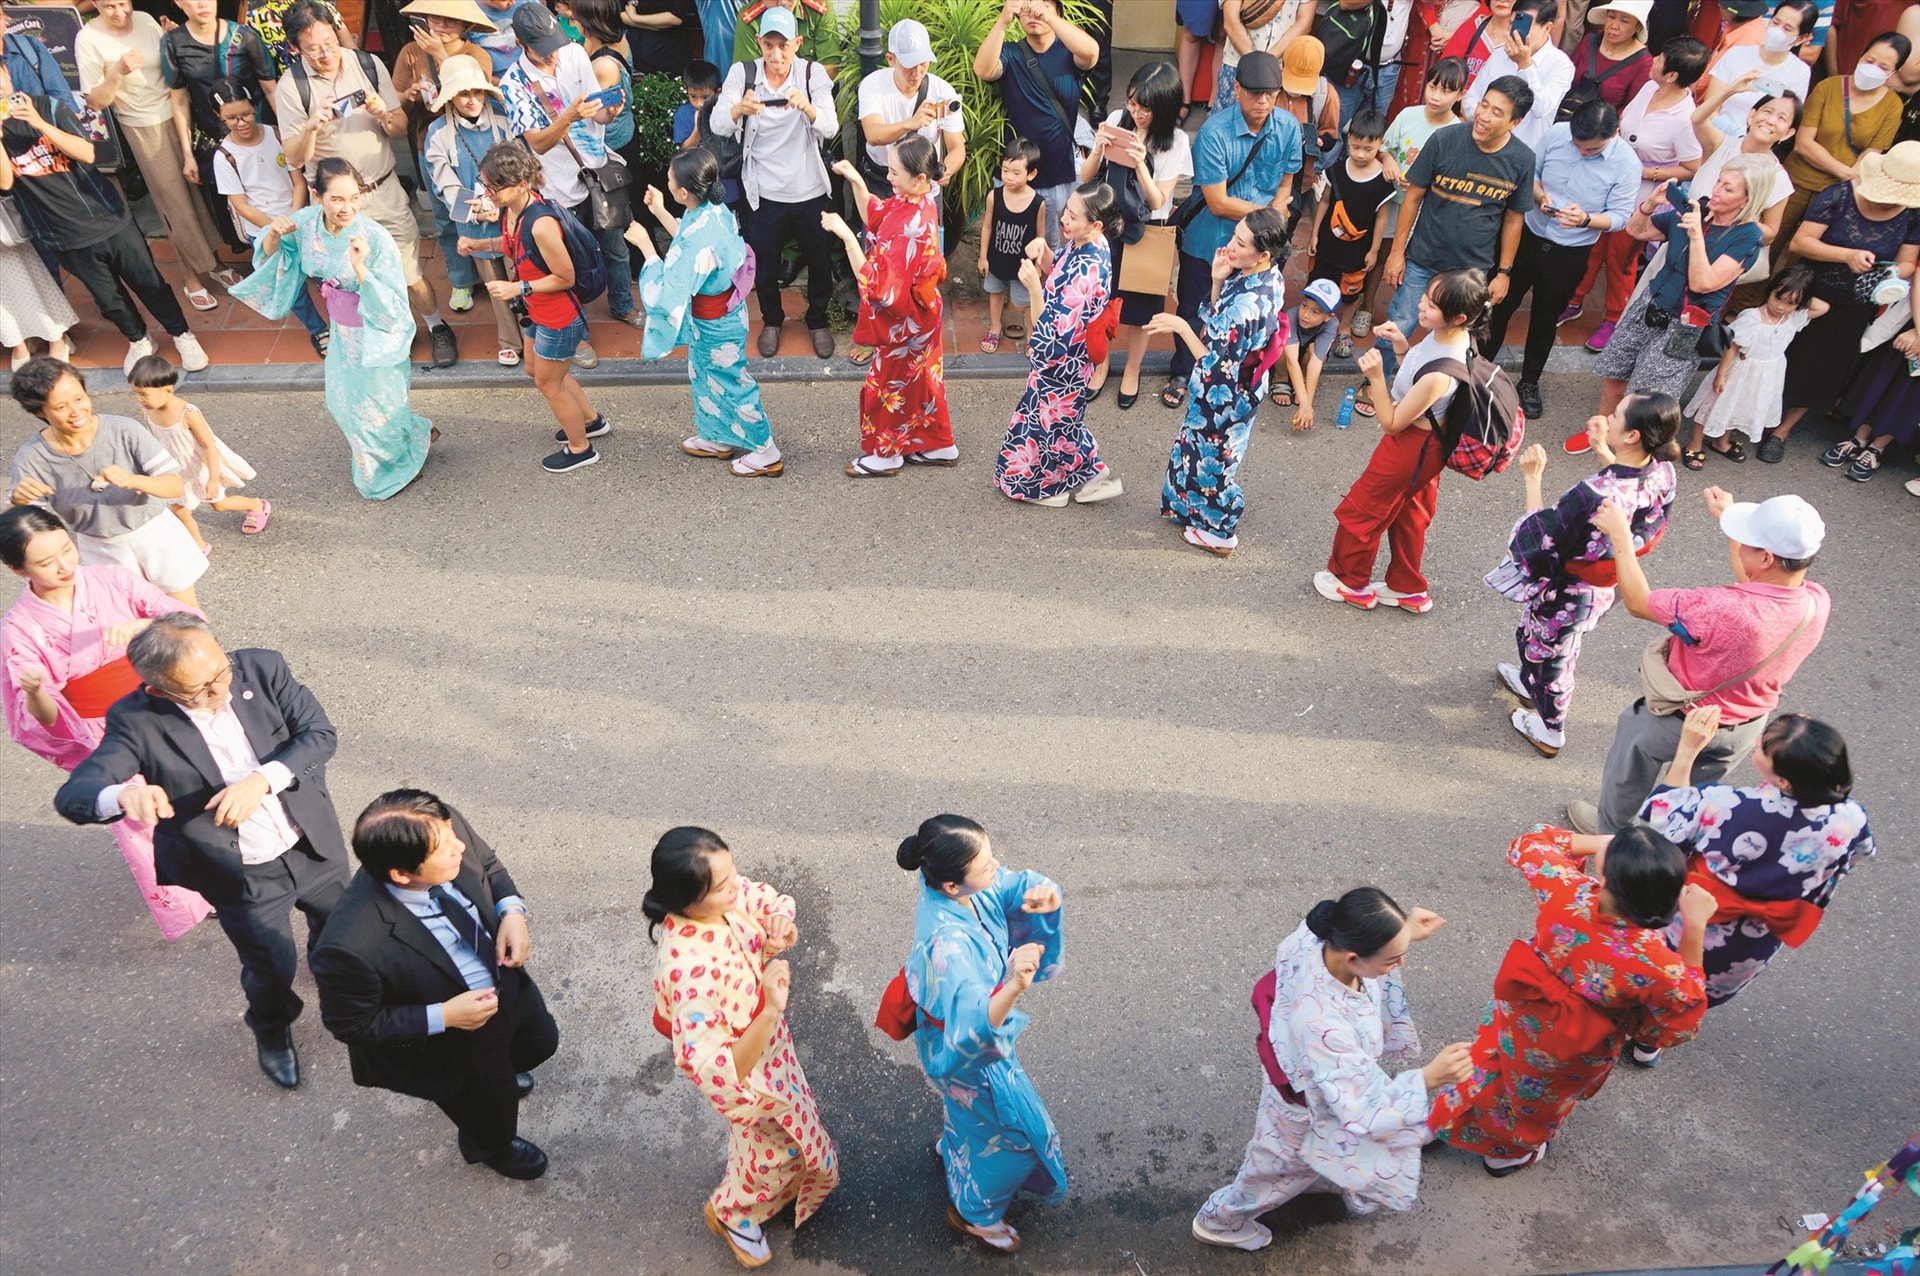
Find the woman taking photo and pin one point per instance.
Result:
(1597, 973)
(903, 404)
(370, 324)
(982, 936)
(1396, 495)
(690, 300)
(1330, 1118)
(1860, 236)
(62, 673)
(1140, 146)
(469, 125)
(1655, 347)
(1559, 565)
(1228, 382)
(107, 477)
(1773, 853)
(542, 281)
(720, 996)
(1049, 455)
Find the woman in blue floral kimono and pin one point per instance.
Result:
(1559, 565)
(371, 326)
(1228, 381)
(982, 936)
(1049, 453)
(691, 299)
(1773, 854)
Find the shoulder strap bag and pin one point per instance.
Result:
(609, 199)
(1664, 693)
(1192, 205)
(1060, 111)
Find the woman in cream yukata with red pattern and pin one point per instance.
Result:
(715, 980)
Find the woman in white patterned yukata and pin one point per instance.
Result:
(982, 936)
(1772, 854)
(1559, 563)
(1330, 1118)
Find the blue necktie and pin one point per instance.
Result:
(471, 932)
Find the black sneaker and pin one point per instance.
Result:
(1530, 401)
(596, 429)
(565, 462)
(446, 350)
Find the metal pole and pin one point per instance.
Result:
(872, 51)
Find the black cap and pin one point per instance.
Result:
(1260, 72)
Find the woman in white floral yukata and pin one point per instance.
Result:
(1772, 854)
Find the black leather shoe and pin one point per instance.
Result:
(522, 1084)
(521, 1160)
(278, 1058)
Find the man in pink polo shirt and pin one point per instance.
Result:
(1741, 642)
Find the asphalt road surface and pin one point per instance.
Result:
(1196, 749)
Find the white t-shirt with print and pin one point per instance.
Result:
(259, 173)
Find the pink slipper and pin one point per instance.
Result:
(256, 522)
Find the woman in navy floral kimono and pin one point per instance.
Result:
(1049, 453)
(1559, 564)
(1772, 854)
(1228, 381)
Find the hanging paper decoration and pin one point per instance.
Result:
(1812, 1256)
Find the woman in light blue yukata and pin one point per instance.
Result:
(1230, 373)
(371, 326)
(691, 299)
(982, 936)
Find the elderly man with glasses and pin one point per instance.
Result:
(226, 756)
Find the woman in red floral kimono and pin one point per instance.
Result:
(903, 405)
(1597, 973)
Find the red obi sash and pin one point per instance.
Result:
(713, 305)
(899, 1015)
(1606, 573)
(1264, 995)
(1792, 921)
(1576, 1026)
(92, 694)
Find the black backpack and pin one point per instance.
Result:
(1484, 426)
(297, 68)
(583, 246)
(1587, 88)
(724, 149)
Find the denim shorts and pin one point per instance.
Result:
(557, 345)
(1011, 287)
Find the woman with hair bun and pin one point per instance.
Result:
(1330, 1118)
(1559, 565)
(1598, 973)
(694, 297)
(720, 996)
(982, 936)
(1773, 853)
(903, 405)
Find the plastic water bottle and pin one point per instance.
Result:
(1345, 418)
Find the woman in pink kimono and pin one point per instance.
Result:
(720, 996)
(60, 675)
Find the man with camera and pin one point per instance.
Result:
(907, 97)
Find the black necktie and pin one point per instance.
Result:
(471, 932)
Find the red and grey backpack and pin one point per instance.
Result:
(1484, 426)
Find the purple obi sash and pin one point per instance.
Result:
(343, 307)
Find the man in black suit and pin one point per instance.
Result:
(421, 973)
(233, 755)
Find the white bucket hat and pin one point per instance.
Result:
(458, 74)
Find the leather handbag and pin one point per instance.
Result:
(609, 203)
(1664, 693)
(1147, 267)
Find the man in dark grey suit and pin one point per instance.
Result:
(422, 973)
(232, 752)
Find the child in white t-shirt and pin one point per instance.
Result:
(250, 168)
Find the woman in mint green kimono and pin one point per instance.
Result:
(690, 300)
(982, 936)
(371, 327)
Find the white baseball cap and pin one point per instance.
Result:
(909, 42)
(1325, 293)
(1784, 526)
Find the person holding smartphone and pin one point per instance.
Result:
(1529, 53)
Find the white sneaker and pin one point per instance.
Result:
(1913, 487)
(1252, 1235)
(136, 351)
(192, 357)
(1510, 678)
(460, 300)
(1103, 488)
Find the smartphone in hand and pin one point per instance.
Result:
(1522, 25)
(606, 99)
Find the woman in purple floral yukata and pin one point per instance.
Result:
(1559, 564)
(1049, 454)
(1772, 854)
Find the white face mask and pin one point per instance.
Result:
(1778, 41)
(1867, 77)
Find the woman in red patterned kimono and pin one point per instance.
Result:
(1597, 973)
(903, 405)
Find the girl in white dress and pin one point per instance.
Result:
(32, 307)
(1743, 394)
(210, 466)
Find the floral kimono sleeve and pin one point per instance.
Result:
(61, 743)
(1674, 1001)
(1396, 1019)
(1236, 328)
(956, 986)
(1009, 891)
(386, 315)
(667, 289)
(1329, 1064)
(703, 1042)
(763, 903)
(902, 276)
(278, 277)
(1076, 293)
(1549, 537)
(1544, 857)
(1679, 814)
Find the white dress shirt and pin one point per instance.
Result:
(268, 833)
(780, 149)
(1550, 76)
